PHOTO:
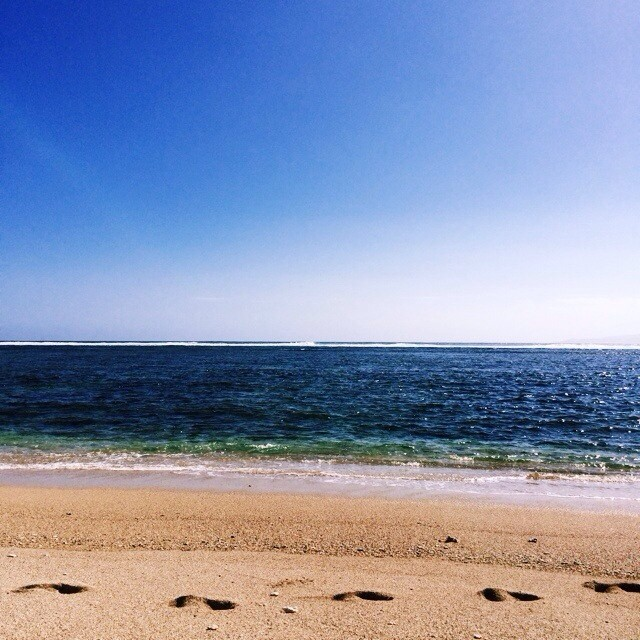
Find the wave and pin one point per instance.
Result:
(312, 344)
(618, 491)
(318, 467)
(65, 450)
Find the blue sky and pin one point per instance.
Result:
(320, 170)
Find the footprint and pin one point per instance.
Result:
(500, 595)
(604, 587)
(363, 595)
(216, 605)
(60, 587)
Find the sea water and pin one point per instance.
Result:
(395, 417)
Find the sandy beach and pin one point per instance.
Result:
(118, 563)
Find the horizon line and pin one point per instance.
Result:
(581, 344)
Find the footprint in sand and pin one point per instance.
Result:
(613, 587)
(199, 601)
(500, 595)
(60, 587)
(363, 595)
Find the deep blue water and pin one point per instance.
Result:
(539, 409)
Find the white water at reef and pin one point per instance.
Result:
(312, 344)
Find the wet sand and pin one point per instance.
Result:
(137, 551)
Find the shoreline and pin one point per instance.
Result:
(610, 492)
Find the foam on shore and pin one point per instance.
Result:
(606, 491)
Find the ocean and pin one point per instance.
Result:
(386, 415)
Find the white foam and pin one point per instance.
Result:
(611, 491)
(325, 345)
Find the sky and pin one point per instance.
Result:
(428, 171)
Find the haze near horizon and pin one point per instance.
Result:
(354, 171)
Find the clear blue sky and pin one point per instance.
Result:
(319, 170)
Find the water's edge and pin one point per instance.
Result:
(619, 493)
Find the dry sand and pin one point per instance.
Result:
(136, 551)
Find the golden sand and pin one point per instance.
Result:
(130, 563)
